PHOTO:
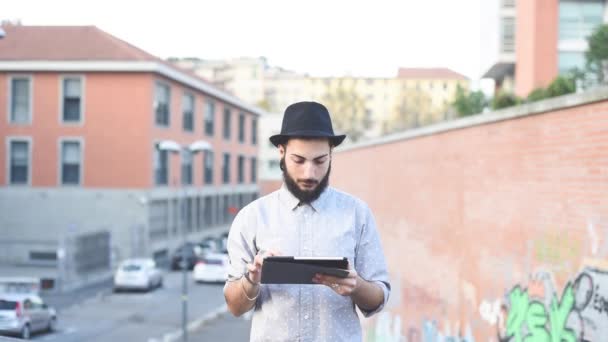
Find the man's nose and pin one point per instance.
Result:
(309, 171)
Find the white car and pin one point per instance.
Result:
(213, 267)
(22, 314)
(137, 274)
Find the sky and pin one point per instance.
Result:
(321, 38)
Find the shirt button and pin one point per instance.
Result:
(305, 316)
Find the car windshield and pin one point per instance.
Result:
(214, 261)
(7, 305)
(131, 268)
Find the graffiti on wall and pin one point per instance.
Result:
(539, 313)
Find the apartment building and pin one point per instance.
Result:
(550, 39)
(85, 178)
(422, 95)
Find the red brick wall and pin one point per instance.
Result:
(467, 215)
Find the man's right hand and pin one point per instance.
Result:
(255, 268)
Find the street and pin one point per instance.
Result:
(152, 316)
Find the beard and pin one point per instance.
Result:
(305, 196)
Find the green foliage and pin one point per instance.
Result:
(348, 110)
(468, 103)
(597, 53)
(537, 95)
(561, 85)
(504, 100)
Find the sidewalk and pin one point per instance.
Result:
(226, 328)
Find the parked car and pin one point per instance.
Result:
(137, 274)
(23, 314)
(190, 252)
(211, 268)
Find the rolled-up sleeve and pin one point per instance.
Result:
(370, 262)
(241, 245)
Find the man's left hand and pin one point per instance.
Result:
(342, 286)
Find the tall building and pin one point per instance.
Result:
(85, 177)
(550, 39)
(498, 39)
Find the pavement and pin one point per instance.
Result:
(225, 328)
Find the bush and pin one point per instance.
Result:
(537, 95)
(504, 100)
(468, 103)
(561, 86)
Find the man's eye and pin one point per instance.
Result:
(319, 162)
(299, 161)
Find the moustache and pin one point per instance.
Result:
(308, 181)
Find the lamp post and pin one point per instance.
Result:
(174, 147)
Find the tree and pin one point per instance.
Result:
(561, 85)
(468, 103)
(264, 104)
(597, 53)
(348, 111)
(503, 100)
(537, 95)
(413, 109)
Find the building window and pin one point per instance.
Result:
(254, 170)
(227, 124)
(161, 167)
(186, 167)
(188, 112)
(226, 169)
(241, 169)
(241, 127)
(71, 105)
(70, 162)
(208, 167)
(162, 104)
(254, 132)
(19, 159)
(508, 34)
(20, 100)
(209, 115)
(578, 19)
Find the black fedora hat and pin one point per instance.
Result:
(304, 120)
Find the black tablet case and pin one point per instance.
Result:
(291, 270)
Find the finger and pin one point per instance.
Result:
(253, 268)
(272, 252)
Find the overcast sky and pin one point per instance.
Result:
(322, 38)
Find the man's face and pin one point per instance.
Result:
(306, 166)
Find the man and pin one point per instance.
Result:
(306, 218)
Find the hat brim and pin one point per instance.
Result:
(278, 139)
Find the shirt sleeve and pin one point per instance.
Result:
(241, 244)
(370, 263)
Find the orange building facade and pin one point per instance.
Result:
(82, 118)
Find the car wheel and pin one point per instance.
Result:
(25, 332)
(52, 324)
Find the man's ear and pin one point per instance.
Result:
(282, 150)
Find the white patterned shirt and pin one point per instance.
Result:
(336, 224)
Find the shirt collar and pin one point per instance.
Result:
(292, 202)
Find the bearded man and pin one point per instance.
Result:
(306, 218)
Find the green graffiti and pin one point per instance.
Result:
(537, 319)
(541, 326)
(559, 315)
(517, 313)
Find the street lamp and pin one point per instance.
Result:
(174, 147)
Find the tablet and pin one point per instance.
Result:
(301, 270)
